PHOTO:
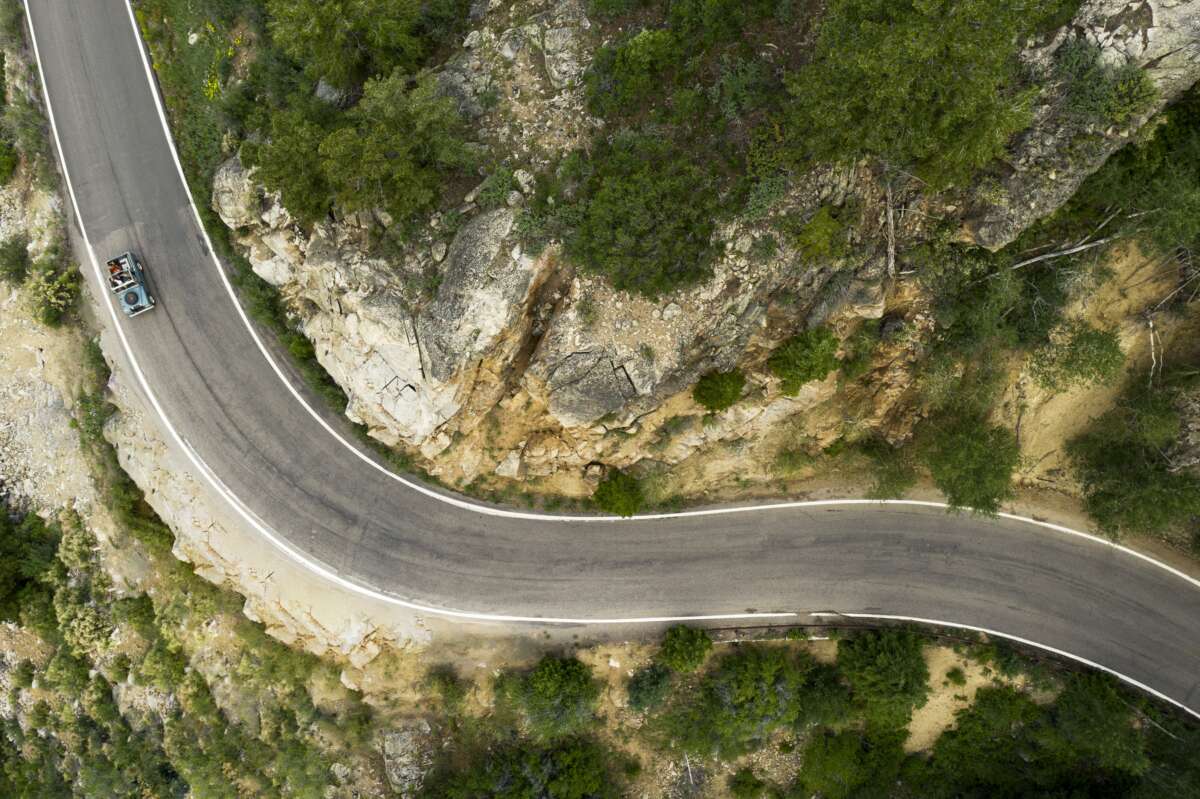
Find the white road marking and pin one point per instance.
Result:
(1018, 639)
(327, 573)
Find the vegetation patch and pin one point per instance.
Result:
(803, 358)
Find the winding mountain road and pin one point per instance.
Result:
(292, 479)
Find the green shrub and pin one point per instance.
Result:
(859, 351)
(648, 687)
(1082, 356)
(684, 648)
(893, 470)
(846, 764)
(402, 142)
(717, 391)
(345, 41)
(494, 191)
(971, 461)
(448, 685)
(53, 291)
(822, 237)
(22, 675)
(14, 259)
(9, 160)
(887, 672)
(743, 784)
(1095, 725)
(936, 85)
(1097, 92)
(621, 78)
(1128, 483)
(289, 161)
(619, 494)
(957, 676)
(646, 219)
(805, 357)
(557, 696)
(573, 769)
(752, 692)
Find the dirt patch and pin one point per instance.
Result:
(953, 680)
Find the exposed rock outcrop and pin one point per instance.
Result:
(1051, 159)
(586, 372)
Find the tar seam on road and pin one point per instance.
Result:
(327, 573)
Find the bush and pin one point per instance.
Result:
(744, 785)
(648, 687)
(1128, 482)
(822, 237)
(14, 259)
(621, 78)
(717, 391)
(844, 765)
(752, 692)
(619, 494)
(1097, 92)
(887, 672)
(971, 461)
(401, 144)
(494, 191)
(53, 291)
(9, 160)
(557, 696)
(289, 160)
(684, 648)
(805, 357)
(1081, 356)
(575, 769)
(892, 469)
(646, 219)
(346, 41)
(936, 85)
(448, 685)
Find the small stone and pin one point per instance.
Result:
(439, 251)
(510, 467)
(514, 198)
(516, 252)
(671, 311)
(744, 243)
(473, 39)
(524, 180)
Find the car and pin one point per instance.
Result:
(127, 280)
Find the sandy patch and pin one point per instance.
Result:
(947, 696)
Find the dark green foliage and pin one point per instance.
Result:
(684, 648)
(752, 692)
(622, 77)
(448, 685)
(1005, 745)
(1158, 179)
(887, 672)
(956, 676)
(1095, 725)
(827, 702)
(1128, 483)
(717, 391)
(805, 357)
(495, 190)
(402, 142)
(9, 160)
(971, 460)
(936, 84)
(648, 687)
(288, 159)
(53, 285)
(823, 236)
(619, 494)
(27, 561)
(573, 769)
(859, 350)
(1097, 92)
(646, 216)
(345, 41)
(893, 469)
(744, 785)
(557, 696)
(846, 765)
(1082, 356)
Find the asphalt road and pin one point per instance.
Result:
(218, 391)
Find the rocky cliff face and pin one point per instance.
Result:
(512, 342)
(1050, 160)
